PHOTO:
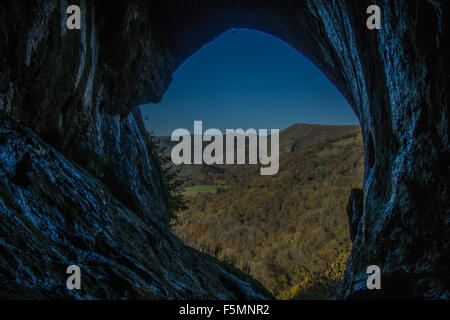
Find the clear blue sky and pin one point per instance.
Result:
(247, 80)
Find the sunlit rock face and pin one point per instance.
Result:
(78, 184)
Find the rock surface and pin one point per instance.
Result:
(354, 211)
(55, 214)
(78, 91)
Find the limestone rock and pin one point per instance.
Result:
(78, 91)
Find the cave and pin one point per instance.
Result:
(68, 101)
(272, 226)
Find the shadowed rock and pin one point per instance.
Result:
(79, 91)
(354, 211)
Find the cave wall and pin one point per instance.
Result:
(78, 91)
(78, 184)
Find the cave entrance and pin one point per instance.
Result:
(289, 231)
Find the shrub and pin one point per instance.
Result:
(172, 185)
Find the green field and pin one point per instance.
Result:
(193, 191)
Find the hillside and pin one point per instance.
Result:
(301, 135)
(289, 231)
(292, 138)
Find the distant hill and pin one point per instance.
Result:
(302, 135)
(292, 138)
(298, 135)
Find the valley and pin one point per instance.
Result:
(289, 231)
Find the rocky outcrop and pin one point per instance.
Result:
(78, 91)
(354, 211)
(55, 214)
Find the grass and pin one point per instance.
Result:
(332, 149)
(346, 142)
(328, 152)
(193, 191)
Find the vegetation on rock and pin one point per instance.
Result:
(172, 185)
